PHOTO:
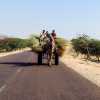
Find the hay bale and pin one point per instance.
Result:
(37, 49)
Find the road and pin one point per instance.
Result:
(22, 79)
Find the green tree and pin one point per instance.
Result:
(85, 45)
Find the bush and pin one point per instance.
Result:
(85, 45)
(10, 44)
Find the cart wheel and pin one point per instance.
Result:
(56, 59)
(40, 58)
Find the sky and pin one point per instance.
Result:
(68, 17)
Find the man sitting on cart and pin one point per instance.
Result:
(52, 47)
(42, 37)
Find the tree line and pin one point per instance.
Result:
(87, 46)
(10, 44)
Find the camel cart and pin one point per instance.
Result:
(41, 52)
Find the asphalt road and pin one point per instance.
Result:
(22, 79)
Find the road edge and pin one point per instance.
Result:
(14, 52)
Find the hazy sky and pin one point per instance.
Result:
(67, 17)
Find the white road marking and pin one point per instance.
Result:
(2, 88)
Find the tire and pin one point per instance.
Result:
(56, 59)
(40, 58)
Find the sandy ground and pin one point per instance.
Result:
(89, 70)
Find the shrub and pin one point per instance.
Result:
(10, 44)
(85, 45)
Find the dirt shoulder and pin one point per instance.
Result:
(89, 70)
